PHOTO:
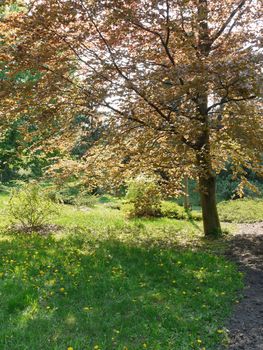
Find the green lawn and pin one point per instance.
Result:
(107, 283)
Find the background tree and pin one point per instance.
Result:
(177, 82)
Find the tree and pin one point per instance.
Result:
(176, 82)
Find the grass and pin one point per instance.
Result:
(107, 283)
(241, 210)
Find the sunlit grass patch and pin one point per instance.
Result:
(109, 283)
(82, 291)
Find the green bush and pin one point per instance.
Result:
(143, 197)
(31, 207)
(173, 210)
(114, 205)
(106, 199)
(111, 202)
(4, 189)
(72, 193)
(69, 193)
(54, 195)
(241, 210)
(86, 199)
(195, 215)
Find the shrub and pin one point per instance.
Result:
(86, 199)
(3, 189)
(111, 202)
(241, 210)
(106, 199)
(31, 207)
(114, 206)
(173, 210)
(144, 197)
(195, 215)
(72, 193)
(69, 193)
(54, 195)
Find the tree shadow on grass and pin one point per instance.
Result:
(82, 292)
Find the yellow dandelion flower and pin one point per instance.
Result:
(87, 308)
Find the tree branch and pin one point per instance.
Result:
(226, 23)
(225, 100)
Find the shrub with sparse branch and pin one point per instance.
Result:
(31, 207)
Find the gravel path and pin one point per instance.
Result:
(246, 324)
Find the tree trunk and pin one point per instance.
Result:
(207, 190)
(186, 194)
(207, 185)
(207, 178)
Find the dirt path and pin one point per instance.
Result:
(246, 324)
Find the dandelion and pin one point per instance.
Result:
(62, 290)
(87, 308)
(70, 348)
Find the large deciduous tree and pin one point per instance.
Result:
(176, 81)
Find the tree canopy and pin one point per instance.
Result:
(176, 84)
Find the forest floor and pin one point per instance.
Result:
(246, 324)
